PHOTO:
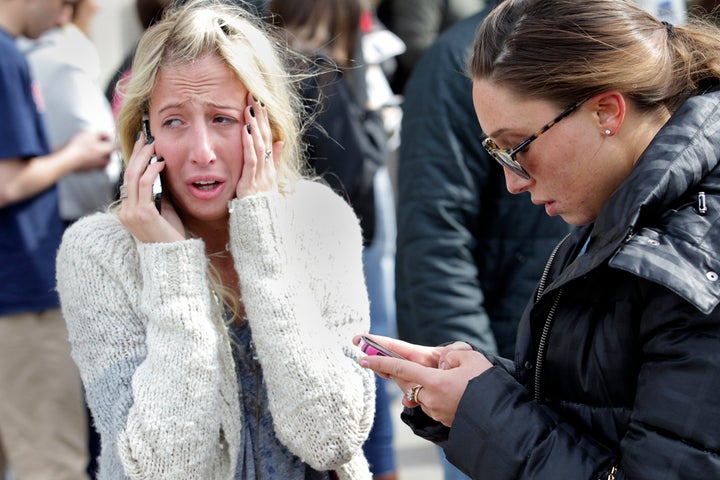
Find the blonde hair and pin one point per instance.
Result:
(247, 45)
(568, 50)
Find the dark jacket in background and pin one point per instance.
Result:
(346, 142)
(630, 370)
(419, 23)
(469, 254)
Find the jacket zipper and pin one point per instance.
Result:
(546, 330)
(543, 343)
(548, 320)
(610, 474)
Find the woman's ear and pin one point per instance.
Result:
(610, 111)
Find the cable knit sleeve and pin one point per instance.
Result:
(146, 338)
(299, 258)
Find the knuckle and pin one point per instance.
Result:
(398, 370)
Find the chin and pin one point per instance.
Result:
(208, 214)
(576, 220)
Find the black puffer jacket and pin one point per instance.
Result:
(624, 340)
(347, 144)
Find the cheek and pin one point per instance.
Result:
(572, 184)
(581, 196)
(232, 156)
(564, 168)
(172, 155)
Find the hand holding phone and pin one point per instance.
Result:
(371, 347)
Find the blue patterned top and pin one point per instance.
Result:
(262, 456)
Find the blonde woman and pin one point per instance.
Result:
(212, 327)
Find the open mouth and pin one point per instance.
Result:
(206, 186)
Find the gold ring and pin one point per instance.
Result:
(412, 393)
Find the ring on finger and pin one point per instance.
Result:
(268, 155)
(123, 192)
(412, 393)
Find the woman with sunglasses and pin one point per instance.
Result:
(618, 353)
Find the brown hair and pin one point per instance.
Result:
(568, 50)
(321, 24)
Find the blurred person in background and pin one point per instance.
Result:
(418, 23)
(348, 147)
(43, 423)
(64, 62)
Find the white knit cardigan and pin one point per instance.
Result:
(155, 358)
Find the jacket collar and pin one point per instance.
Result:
(680, 156)
(677, 163)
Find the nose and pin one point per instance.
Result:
(201, 150)
(515, 183)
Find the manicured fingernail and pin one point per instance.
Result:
(252, 111)
(150, 140)
(363, 362)
(248, 128)
(137, 136)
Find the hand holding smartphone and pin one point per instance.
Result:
(371, 347)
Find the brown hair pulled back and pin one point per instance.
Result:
(568, 50)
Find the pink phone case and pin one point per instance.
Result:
(373, 348)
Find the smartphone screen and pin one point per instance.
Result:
(371, 347)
